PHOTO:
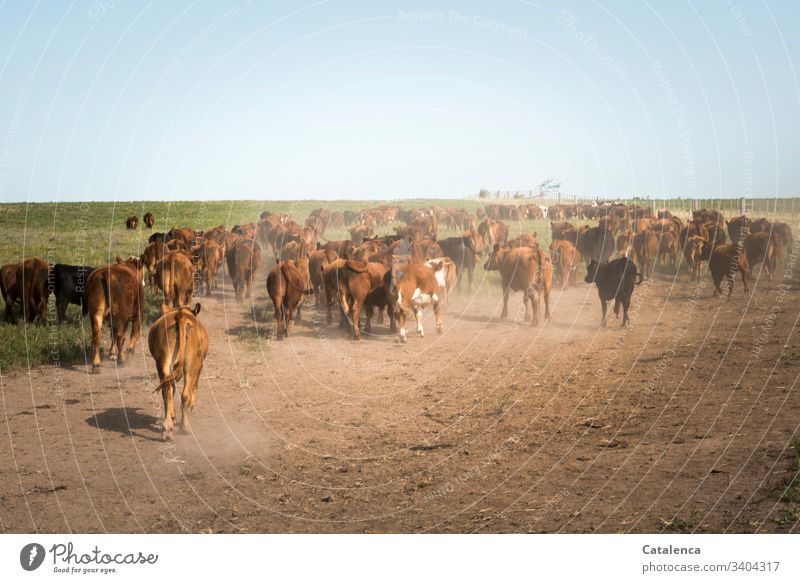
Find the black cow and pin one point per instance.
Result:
(68, 284)
(596, 244)
(462, 252)
(615, 281)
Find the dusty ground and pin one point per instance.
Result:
(675, 424)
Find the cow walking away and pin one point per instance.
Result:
(243, 259)
(132, 223)
(116, 292)
(616, 281)
(287, 285)
(178, 343)
(175, 277)
(645, 250)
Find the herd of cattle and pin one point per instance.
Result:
(400, 273)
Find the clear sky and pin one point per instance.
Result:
(123, 99)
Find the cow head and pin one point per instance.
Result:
(496, 256)
(694, 247)
(591, 271)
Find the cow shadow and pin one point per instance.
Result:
(126, 421)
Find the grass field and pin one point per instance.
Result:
(94, 234)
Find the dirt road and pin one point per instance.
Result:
(680, 423)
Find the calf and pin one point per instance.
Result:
(725, 261)
(567, 259)
(132, 222)
(287, 286)
(615, 281)
(693, 253)
(410, 289)
(523, 269)
(116, 292)
(69, 284)
(178, 343)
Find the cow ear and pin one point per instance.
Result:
(197, 308)
(119, 259)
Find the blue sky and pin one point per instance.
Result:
(120, 100)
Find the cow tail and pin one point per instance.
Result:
(181, 332)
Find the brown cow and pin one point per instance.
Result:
(763, 247)
(356, 280)
(523, 269)
(287, 286)
(413, 287)
(178, 343)
(563, 231)
(175, 277)
(10, 289)
(668, 247)
(153, 253)
(32, 279)
(359, 233)
(693, 253)
(132, 222)
(149, 220)
(210, 259)
(492, 232)
(567, 260)
(624, 243)
(330, 286)
(243, 259)
(725, 261)
(645, 250)
(316, 261)
(116, 292)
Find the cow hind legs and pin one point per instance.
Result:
(438, 315)
(420, 329)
